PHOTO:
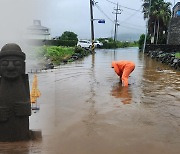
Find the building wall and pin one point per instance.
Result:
(174, 32)
(36, 31)
(38, 37)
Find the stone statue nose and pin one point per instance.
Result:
(10, 65)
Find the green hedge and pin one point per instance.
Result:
(68, 43)
(118, 44)
(109, 45)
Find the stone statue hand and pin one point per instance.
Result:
(22, 109)
(4, 114)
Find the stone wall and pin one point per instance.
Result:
(164, 57)
(174, 32)
(162, 47)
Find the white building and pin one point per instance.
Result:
(36, 31)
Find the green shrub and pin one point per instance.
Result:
(79, 50)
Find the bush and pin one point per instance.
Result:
(68, 39)
(78, 50)
(67, 35)
(81, 51)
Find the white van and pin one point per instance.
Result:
(84, 44)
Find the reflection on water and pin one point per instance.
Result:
(124, 93)
(90, 120)
(161, 89)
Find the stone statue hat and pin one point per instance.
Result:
(12, 49)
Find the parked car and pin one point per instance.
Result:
(98, 44)
(84, 44)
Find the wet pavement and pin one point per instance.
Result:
(85, 110)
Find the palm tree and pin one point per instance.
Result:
(159, 17)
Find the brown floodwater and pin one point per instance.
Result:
(85, 110)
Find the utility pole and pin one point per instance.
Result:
(92, 25)
(117, 11)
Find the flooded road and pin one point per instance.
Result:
(85, 110)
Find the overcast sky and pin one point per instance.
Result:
(70, 15)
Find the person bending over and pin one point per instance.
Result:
(123, 69)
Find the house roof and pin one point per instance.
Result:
(37, 29)
(177, 5)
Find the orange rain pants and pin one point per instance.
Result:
(123, 69)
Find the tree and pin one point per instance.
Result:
(68, 36)
(160, 14)
(141, 40)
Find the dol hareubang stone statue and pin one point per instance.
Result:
(15, 107)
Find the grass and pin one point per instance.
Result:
(55, 53)
(58, 54)
(177, 55)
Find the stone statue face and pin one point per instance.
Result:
(11, 67)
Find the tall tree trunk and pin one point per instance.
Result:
(154, 31)
(157, 32)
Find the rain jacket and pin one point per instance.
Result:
(123, 69)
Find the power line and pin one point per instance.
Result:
(104, 13)
(124, 26)
(116, 4)
(133, 25)
(128, 27)
(123, 6)
(129, 17)
(98, 7)
(111, 2)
